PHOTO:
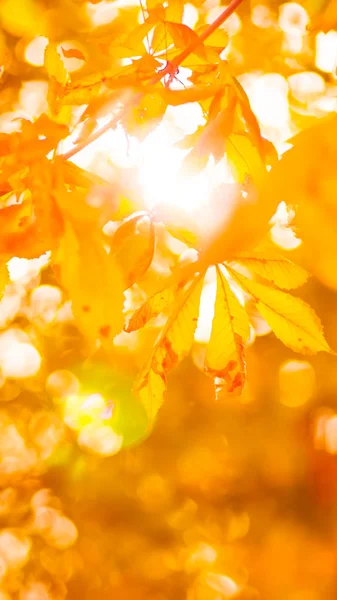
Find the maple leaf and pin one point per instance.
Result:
(225, 355)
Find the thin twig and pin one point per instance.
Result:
(92, 138)
(130, 97)
(199, 39)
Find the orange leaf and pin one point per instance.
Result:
(182, 35)
(73, 53)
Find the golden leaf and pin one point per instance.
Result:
(182, 35)
(133, 247)
(177, 336)
(325, 19)
(212, 139)
(153, 306)
(173, 344)
(161, 38)
(274, 267)
(293, 321)
(174, 11)
(150, 388)
(54, 65)
(23, 17)
(244, 158)
(134, 40)
(225, 355)
(217, 39)
(313, 190)
(94, 283)
(4, 278)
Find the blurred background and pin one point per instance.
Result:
(230, 499)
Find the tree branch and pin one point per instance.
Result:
(130, 97)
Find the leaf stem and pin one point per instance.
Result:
(130, 97)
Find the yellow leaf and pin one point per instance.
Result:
(325, 19)
(212, 139)
(94, 284)
(150, 388)
(313, 190)
(133, 247)
(174, 11)
(173, 344)
(54, 65)
(134, 40)
(293, 321)
(274, 267)
(150, 309)
(182, 35)
(218, 39)
(23, 17)
(244, 158)
(225, 356)
(162, 38)
(178, 334)
(4, 278)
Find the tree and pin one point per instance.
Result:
(114, 287)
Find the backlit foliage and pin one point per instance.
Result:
(167, 182)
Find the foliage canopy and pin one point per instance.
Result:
(116, 288)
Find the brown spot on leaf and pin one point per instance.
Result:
(105, 331)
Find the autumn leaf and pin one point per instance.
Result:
(174, 11)
(94, 283)
(274, 267)
(150, 388)
(173, 344)
(325, 20)
(178, 334)
(181, 34)
(153, 307)
(54, 65)
(312, 190)
(225, 355)
(293, 321)
(212, 139)
(133, 246)
(4, 278)
(72, 53)
(244, 158)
